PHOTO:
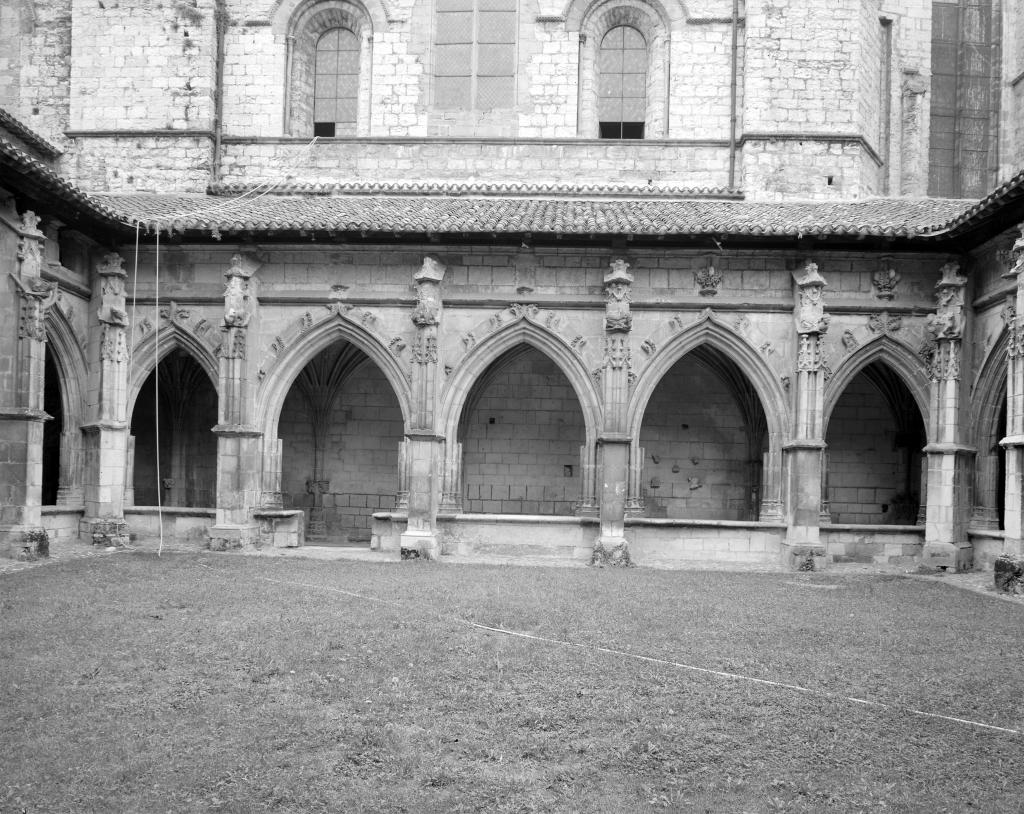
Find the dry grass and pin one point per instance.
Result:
(203, 683)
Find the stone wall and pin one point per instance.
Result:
(360, 454)
(810, 101)
(521, 441)
(35, 64)
(152, 67)
(697, 462)
(577, 161)
(866, 470)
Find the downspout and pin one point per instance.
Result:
(221, 24)
(668, 80)
(579, 85)
(288, 59)
(732, 93)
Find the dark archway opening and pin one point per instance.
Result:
(185, 446)
(875, 437)
(53, 405)
(521, 430)
(341, 431)
(703, 437)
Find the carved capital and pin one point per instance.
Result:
(808, 355)
(37, 296)
(424, 350)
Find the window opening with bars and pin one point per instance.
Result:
(622, 84)
(475, 54)
(336, 87)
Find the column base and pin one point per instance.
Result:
(612, 551)
(27, 543)
(803, 549)
(104, 531)
(415, 544)
(229, 536)
(956, 556)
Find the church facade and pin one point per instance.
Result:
(619, 281)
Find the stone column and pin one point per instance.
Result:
(22, 363)
(271, 497)
(451, 491)
(913, 126)
(72, 463)
(949, 459)
(424, 448)
(826, 507)
(635, 494)
(611, 547)
(1013, 443)
(106, 436)
(587, 505)
(129, 472)
(238, 442)
(771, 488)
(803, 548)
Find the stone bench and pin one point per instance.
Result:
(281, 528)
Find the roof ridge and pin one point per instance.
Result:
(469, 188)
(28, 135)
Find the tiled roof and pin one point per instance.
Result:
(19, 169)
(999, 198)
(27, 135)
(422, 214)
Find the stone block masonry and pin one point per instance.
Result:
(521, 440)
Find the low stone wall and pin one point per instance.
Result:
(988, 544)
(61, 522)
(657, 541)
(503, 535)
(877, 544)
(183, 527)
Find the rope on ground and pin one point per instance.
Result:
(663, 662)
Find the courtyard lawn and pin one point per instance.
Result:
(241, 684)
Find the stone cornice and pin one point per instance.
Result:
(24, 414)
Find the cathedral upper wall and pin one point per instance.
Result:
(778, 100)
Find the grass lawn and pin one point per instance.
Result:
(215, 683)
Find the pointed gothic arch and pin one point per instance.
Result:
(709, 331)
(494, 346)
(147, 354)
(69, 360)
(989, 392)
(894, 354)
(287, 367)
(988, 421)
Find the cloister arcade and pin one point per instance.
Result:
(521, 442)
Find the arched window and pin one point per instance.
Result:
(622, 83)
(623, 69)
(329, 55)
(336, 83)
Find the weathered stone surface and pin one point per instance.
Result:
(1008, 573)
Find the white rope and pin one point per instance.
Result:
(667, 662)
(156, 399)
